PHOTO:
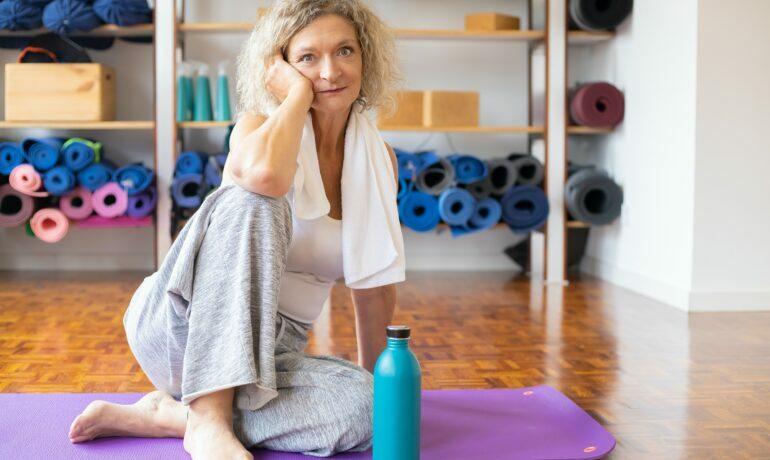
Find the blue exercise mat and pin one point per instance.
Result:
(486, 215)
(78, 153)
(190, 162)
(404, 186)
(407, 164)
(524, 208)
(59, 180)
(186, 190)
(134, 178)
(456, 206)
(419, 211)
(212, 172)
(21, 15)
(468, 169)
(66, 17)
(123, 12)
(43, 153)
(95, 175)
(11, 156)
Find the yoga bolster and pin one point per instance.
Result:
(524, 208)
(604, 15)
(529, 170)
(20, 15)
(96, 174)
(190, 163)
(186, 190)
(59, 180)
(143, 204)
(110, 200)
(66, 17)
(26, 180)
(502, 175)
(134, 178)
(123, 12)
(15, 207)
(43, 153)
(436, 177)
(485, 216)
(592, 197)
(78, 153)
(77, 204)
(11, 156)
(597, 104)
(456, 206)
(468, 169)
(49, 225)
(419, 211)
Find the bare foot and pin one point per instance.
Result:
(205, 440)
(156, 415)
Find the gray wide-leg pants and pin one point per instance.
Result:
(207, 320)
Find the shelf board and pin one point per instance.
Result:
(442, 226)
(577, 224)
(108, 30)
(95, 221)
(114, 125)
(468, 129)
(514, 35)
(589, 130)
(203, 124)
(586, 37)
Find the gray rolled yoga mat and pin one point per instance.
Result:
(480, 189)
(592, 197)
(529, 170)
(435, 178)
(502, 175)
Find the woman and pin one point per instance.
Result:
(309, 195)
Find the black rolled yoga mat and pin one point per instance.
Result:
(599, 14)
(592, 197)
(529, 170)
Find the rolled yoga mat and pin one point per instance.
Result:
(11, 156)
(512, 424)
(407, 164)
(77, 204)
(143, 204)
(78, 153)
(95, 175)
(481, 189)
(404, 186)
(49, 225)
(597, 104)
(419, 211)
(190, 162)
(43, 153)
(67, 17)
(134, 178)
(187, 190)
(20, 15)
(212, 172)
(468, 169)
(110, 200)
(524, 208)
(434, 177)
(123, 12)
(599, 15)
(59, 180)
(592, 197)
(485, 216)
(456, 206)
(529, 170)
(26, 180)
(502, 175)
(15, 207)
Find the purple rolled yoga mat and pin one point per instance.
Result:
(142, 204)
(597, 104)
(524, 423)
(15, 207)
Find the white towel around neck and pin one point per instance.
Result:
(372, 243)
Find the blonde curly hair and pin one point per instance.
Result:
(278, 24)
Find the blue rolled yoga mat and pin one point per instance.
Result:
(59, 180)
(69, 16)
(123, 12)
(212, 172)
(419, 211)
(95, 175)
(20, 15)
(142, 204)
(524, 208)
(11, 156)
(456, 206)
(43, 153)
(186, 190)
(404, 186)
(190, 162)
(134, 178)
(468, 169)
(79, 153)
(485, 216)
(407, 164)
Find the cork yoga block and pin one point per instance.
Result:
(59, 92)
(491, 21)
(409, 109)
(451, 108)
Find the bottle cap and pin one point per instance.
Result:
(398, 332)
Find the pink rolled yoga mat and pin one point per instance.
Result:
(50, 225)
(597, 104)
(25, 179)
(110, 200)
(15, 207)
(77, 204)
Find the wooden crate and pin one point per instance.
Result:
(451, 108)
(491, 21)
(409, 110)
(59, 92)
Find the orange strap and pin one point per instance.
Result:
(35, 49)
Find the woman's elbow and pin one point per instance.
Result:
(262, 182)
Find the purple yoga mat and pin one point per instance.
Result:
(524, 423)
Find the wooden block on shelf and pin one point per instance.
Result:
(451, 108)
(409, 110)
(59, 92)
(491, 21)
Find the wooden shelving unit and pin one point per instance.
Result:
(588, 130)
(80, 125)
(585, 37)
(108, 30)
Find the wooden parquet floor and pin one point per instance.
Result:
(668, 385)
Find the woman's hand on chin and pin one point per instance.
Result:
(283, 79)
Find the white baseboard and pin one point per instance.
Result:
(729, 301)
(88, 262)
(460, 262)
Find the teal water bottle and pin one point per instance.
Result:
(202, 109)
(397, 396)
(222, 107)
(184, 93)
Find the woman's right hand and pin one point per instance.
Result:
(282, 78)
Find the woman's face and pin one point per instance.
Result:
(327, 52)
